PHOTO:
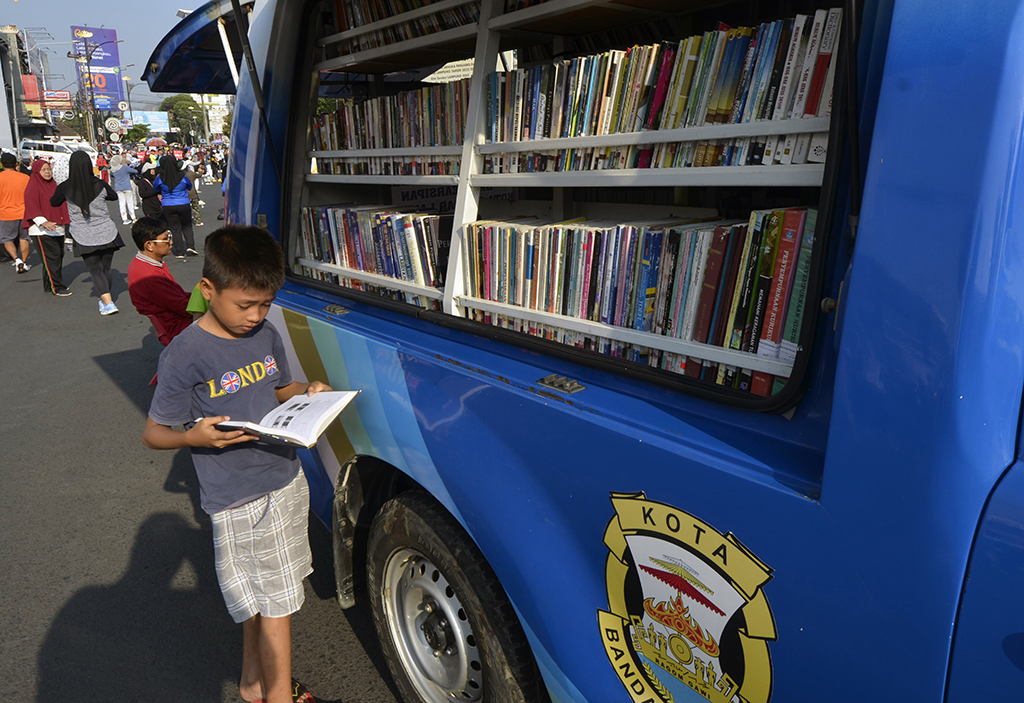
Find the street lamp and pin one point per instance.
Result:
(128, 85)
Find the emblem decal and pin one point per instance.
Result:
(687, 619)
(271, 365)
(230, 382)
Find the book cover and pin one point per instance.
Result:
(741, 61)
(696, 282)
(762, 74)
(782, 280)
(790, 342)
(686, 73)
(709, 369)
(794, 57)
(709, 286)
(778, 65)
(719, 76)
(809, 63)
(766, 268)
(829, 41)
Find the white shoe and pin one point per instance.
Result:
(16, 262)
(24, 267)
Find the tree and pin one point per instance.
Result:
(137, 133)
(183, 112)
(226, 127)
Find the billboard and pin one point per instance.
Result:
(157, 121)
(99, 68)
(57, 99)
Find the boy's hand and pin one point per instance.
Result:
(205, 434)
(317, 386)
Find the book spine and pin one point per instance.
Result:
(829, 39)
(798, 298)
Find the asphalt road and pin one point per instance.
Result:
(107, 587)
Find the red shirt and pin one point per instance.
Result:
(156, 294)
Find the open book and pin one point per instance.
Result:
(298, 421)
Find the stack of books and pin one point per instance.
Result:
(781, 70)
(434, 115)
(737, 285)
(379, 240)
(358, 13)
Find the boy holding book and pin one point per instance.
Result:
(232, 363)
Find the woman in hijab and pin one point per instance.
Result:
(121, 176)
(173, 186)
(94, 233)
(47, 225)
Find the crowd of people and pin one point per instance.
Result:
(36, 206)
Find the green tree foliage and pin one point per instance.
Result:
(226, 127)
(185, 114)
(137, 133)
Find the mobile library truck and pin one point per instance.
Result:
(688, 335)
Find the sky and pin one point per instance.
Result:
(141, 24)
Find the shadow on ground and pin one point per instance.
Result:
(160, 634)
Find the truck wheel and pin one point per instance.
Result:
(444, 622)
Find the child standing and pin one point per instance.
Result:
(232, 363)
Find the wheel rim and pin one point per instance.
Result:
(430, 630)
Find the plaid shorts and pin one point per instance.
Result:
(261, 551)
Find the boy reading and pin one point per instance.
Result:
(232, 363)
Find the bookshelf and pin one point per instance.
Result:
(539, 176)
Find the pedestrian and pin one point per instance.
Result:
(152, 288)
(48, 226)
(121, 175)
(12, 212)
(193, 198)
(256, 494)
(94, 233)
(149, 198)
(173, 186)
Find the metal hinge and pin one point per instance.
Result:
(562, 383)
(335, 310)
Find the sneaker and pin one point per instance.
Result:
(180, 256)
(16, 263)
(107, 308)
(202, 202)
(63, 292)
(191, 252)
(22, 267)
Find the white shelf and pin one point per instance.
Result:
(389, 180)
(659, 136)
(375, 279)
(732, 357)
(381, 53)
(546, 10)
(778, 175)
(394, 151)
(425, 11)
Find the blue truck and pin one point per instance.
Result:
(535, 521)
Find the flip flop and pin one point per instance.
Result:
(298, 691)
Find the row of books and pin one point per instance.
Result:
(738, 285)
(380, 240)
(353, 10)
(806, 148)
(389, 165)
(357, 13)
(434, 115)
(781, 70)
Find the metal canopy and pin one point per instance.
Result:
(193, 57)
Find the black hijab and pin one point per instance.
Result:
(170, 174)
(80, 187)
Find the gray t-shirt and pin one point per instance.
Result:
(202, 375)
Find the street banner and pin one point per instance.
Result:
(57, 99)
(157, 121)
(100, 66)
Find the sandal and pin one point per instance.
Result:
(299, 693)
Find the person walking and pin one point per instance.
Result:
(94, 233)
(193, 197)
(47, 225)
(174, 187)
(12, 212)
(121, 175)
(149, 198)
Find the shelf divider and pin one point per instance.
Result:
(707, 352)
(800, 175)
(385, 281)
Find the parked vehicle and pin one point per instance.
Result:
(536, 520)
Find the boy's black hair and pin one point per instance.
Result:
(244, 257)
(8, 160)
(146, 229)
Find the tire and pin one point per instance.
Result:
(444, 622)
